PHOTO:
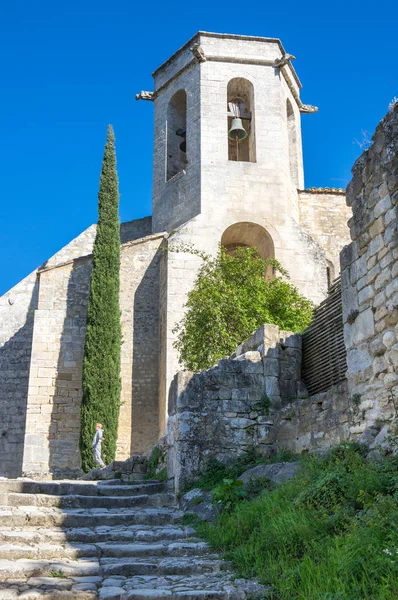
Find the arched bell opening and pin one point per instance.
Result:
(249, 235)
(176, 150)
(240, 120)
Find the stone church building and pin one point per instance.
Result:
(208, 188)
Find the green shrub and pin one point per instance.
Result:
(156, 458)
(329, 533)
(230, 299)
(264, 405)
(229, 493)
(216, 471)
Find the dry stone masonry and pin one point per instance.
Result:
(370, 285)
(253, 401)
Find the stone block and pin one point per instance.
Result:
(377, 227)
(358, 359)
(379, 365)
(393, 356)
(347, 255)
(375, 245)
(241, 423)
(271, 367)
(236, 406)
(252, 367)
(392, 288)
(251, 355)
(288, 389)
(382, 279)
(256, 394)
(366, 294)
(391, 380)
(389, 339)
(372, 272)
(391, 233)
(240, 394)
(363, 327)
(272, 386)
(390, 216)
(224, 393)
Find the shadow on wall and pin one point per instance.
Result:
(145, 371)
(14, 380)
(64, 428)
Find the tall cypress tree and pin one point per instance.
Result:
(101, 362)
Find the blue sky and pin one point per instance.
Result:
(69, 68)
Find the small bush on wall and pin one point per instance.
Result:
(230, 299)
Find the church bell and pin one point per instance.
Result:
(237, 131)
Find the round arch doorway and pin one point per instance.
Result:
(249, 235)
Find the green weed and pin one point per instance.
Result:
(57, 573)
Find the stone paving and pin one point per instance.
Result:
(106, 540)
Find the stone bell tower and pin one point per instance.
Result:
(197, 93)
(209, 188)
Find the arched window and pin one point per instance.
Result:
(176, 134)
(292, 140)
(250, 235)
(240, 105)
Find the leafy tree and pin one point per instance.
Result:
(101, 362)
(230, 299)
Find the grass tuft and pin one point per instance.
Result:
(331, 533)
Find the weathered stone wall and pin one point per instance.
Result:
(54, 395)
(370, 282)
(41, 343)
(324, 214)
(55, 387)
(16, 317)
(255, 399)
(139, 303)
(313, 423)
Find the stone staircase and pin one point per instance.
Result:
(107, 540)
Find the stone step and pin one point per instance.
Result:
(84, 501)
(131, 533)
(109, 567)
(51, 587)
(48, 551)
(162, 566)
(81, 488)
(48, 594)
(23, 516)
(115, 593)
(211, 586)
(175, 549)
(220, 586)
(74, 550)
(51, 568)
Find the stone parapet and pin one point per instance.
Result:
(251, 401)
